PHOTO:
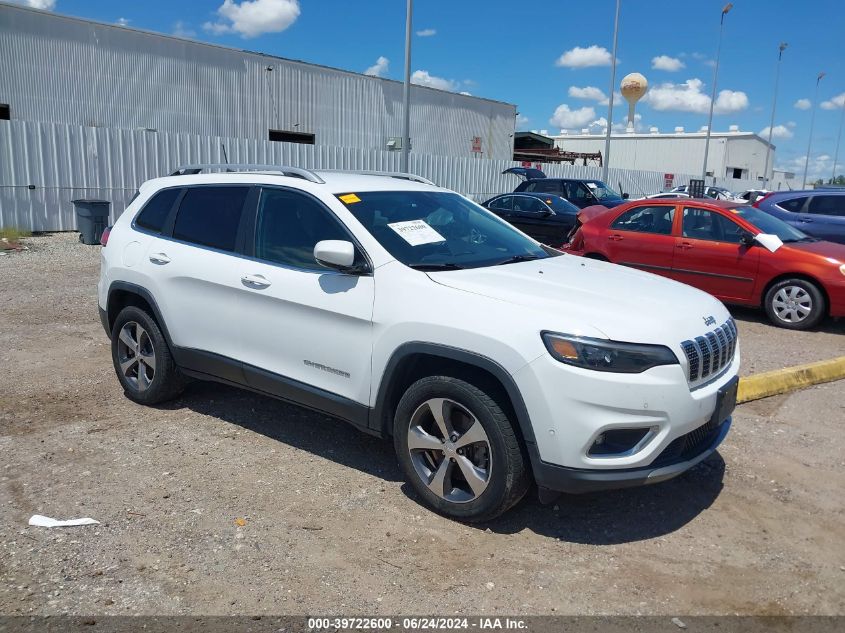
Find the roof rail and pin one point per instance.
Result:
(293, 172)
(391, 174)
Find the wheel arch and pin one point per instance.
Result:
(415, 360)
(123, 294)
(804, 276)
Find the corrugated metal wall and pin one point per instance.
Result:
(61, 69)
(64, 162)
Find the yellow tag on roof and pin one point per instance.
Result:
(349, 198)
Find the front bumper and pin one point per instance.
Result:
(582, 480)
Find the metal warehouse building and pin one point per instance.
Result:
(91, 110)
(734, 154)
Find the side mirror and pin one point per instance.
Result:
(547, 213)
(746, 239)
(625, 196)
(337, 254)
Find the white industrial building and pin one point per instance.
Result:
(733, 154)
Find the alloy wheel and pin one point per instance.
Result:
(136, 355)
(450, 450)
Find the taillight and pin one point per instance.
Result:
(756, 203)
(104, 238)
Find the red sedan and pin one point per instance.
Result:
(735, 252)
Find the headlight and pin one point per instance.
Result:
(842, 269)
(602, 355)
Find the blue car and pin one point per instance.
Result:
(816, 212)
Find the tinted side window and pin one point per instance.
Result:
(505, 203)
(527, 204)
(828, 205)
(155, 212)
(646, 220)
(546, 186)
(702, 224)
(793, 204)
(288, 227)
(209, 216)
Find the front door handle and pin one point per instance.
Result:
(685, 245)
(806, 220)
(255, 281)
(159, 258)
(615, 238)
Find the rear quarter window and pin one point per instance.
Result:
(792, 204)
(154, 214)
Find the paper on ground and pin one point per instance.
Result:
(417, 232)
(42, 521)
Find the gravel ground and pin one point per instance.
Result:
(224, 502)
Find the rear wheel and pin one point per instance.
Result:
(142, 359)
(458, 449)
(796, 304)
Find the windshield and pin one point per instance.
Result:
(601, 190)
(431, 230)
(770, 224)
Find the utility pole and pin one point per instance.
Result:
(406, 126)
(781, 48)
(606, 157)
(725, 10)
(812, 123)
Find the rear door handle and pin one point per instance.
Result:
(255, 281)
(615, 238)
(806, 220)
(159, 258)
(685, 245)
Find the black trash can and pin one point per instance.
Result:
(92, 217)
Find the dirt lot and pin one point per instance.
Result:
(329, 526)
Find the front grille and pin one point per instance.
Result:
(690, 445)
(710, 353)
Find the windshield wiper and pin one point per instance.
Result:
(518, 258)
(433, 267)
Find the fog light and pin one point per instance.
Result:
(620, 442)
(599, 440)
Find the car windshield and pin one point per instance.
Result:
(560, 204)
(770, 224)
(431, 230)
(601, 190)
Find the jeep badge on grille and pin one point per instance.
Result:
(709, 320)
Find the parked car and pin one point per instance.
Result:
(580, 192)
(717, 193)
(751, 195)
(412, 312)
(726, 250)
(666, 194)
(547, 218)
(817, 212)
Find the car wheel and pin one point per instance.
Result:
(796, 304)
(458, 449)
(142, 359)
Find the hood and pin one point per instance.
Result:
(582, 296)
(589, 213)
(821, 248)
(613, 203)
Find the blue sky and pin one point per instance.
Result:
(546, 57)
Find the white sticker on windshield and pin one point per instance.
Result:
(592, 185)
(416, 232)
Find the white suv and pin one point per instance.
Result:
(412, 312)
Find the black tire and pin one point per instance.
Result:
(166, 380)
(805, 295)
(507, 475)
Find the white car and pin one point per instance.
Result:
(666, 194)
(412, 312)
(711, 191)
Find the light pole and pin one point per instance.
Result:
(812, 123)
(406, 125)
(604, 162)
(781, 48)
(838, 138)
(725, 10)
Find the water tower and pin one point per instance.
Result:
(634, 86)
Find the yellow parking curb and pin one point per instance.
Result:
(771, 383)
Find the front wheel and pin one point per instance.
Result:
(795, 304)
(459, 450)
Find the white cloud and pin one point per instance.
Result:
(44, 5)
(584, 57)
(572, 119)
(819, 166)
(803, 104)
(180, 29)
(791, 124)
(688, 97)
(521, 120)
(379, 68)
(122, 21)
(424, 78)
(779, 131)
(427, 32)
(669, 64)
(590, 93)
(251, 18)
(834, 104)
(465, 93)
